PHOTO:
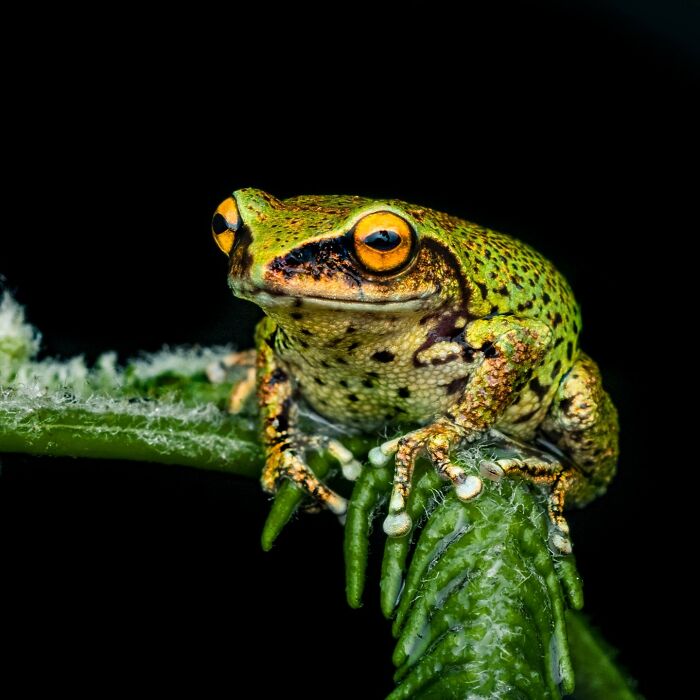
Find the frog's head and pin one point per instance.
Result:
(336, 252)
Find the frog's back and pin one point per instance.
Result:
(510, 277)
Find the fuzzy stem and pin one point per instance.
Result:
(65, 431)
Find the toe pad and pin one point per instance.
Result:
(397, 525)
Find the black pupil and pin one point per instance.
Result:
(383, 240)
(219, 224)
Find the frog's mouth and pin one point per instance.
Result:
(266, 299)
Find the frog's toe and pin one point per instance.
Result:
(560, 542)
(469, 488)
(559, 539)
(350, 466)
(491, 470)
(397, 524)
(439, 442)
(381, 455)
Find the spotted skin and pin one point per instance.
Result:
(470, 330)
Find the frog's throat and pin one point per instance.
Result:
(283, 301)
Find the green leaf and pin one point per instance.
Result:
(478, 599)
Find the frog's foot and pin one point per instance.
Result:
(553, 475)
(286, 461)
(437, 441)
(218, 372)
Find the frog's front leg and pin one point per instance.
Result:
(285, 445)
(509, 349)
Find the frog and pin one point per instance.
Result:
(382, 315)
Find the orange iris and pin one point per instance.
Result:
(383, 242)
(225, 223)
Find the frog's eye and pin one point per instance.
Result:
(383, 242)
(225, 223)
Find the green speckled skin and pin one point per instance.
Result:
(475, 331)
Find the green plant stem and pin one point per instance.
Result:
(228, 446)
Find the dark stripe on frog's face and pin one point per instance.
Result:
(316, 259)
(328, 268)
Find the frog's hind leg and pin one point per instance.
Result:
(218, 372)
(582, 423)
(544, 471)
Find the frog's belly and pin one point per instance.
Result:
(370, 395)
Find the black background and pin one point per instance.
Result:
(569, 128)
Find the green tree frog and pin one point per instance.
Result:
(382, 313)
